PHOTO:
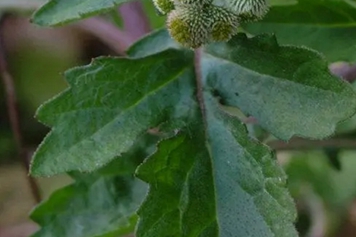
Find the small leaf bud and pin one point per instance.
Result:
(189, 25)
(249, 10)
(224, 25)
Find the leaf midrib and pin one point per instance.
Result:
(252, 195)
(270, 76)
(127, 109)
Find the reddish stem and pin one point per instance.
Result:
(136, 22)
(13, 113)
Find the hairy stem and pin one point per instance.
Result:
(199, 80)
(13, 113)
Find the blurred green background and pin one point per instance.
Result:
(37, 58)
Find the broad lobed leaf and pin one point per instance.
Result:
(102, 204)
(328, 26)
(214, 181)
(59, 12)
(211, 179)
(103, 207)
(289, 90)
(109, 105)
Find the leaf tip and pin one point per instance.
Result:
(35, 170)
(39, 165)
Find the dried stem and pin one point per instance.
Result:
(13, 113)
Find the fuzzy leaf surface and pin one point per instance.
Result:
(211, 179)
(104, 207)
(214, 182)
(288, 89)
(100, 204)
(108, 106)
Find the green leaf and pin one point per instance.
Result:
(127, 163)
(98, 204)
(324, 25)
(211, 179)
(20, 4)
(60, 12)
(103, 207)
(282, 2)
(214, 181)
(351, 2)
(109, 105)
(154, 43)
(289, 90)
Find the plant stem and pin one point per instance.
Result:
(304, 144)
(136, 22)
(344, 70)
(13, 113)
(199, 80)
(108, 33)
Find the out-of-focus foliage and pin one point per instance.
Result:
(317, 24)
